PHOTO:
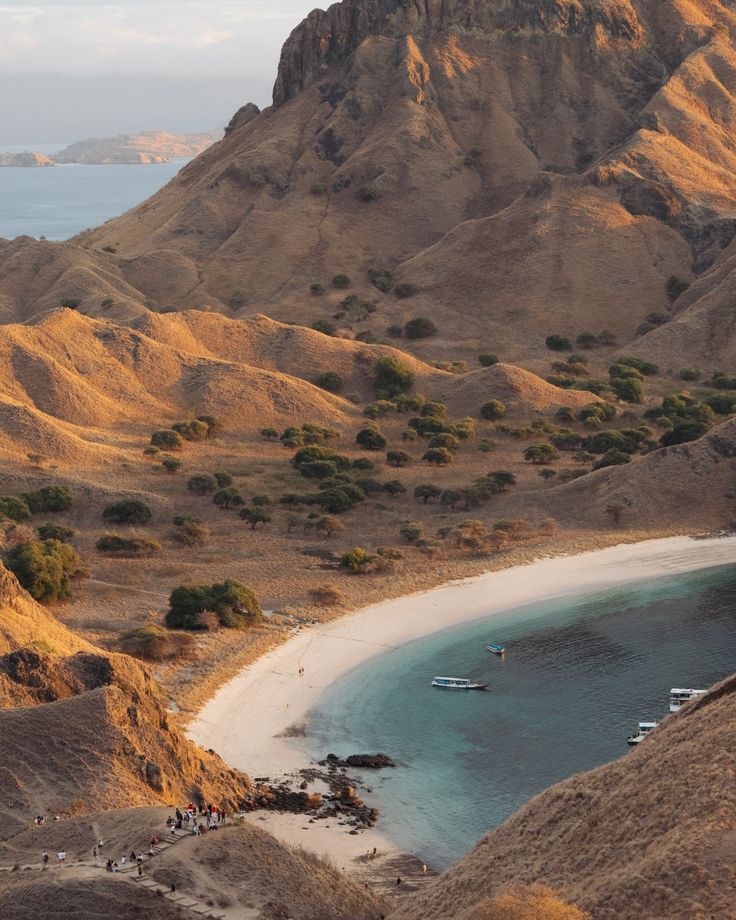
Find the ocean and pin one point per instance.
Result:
(59, 202)
(578, 676)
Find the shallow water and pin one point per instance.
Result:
(61, 201)
(578, 675)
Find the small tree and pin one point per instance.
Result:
(202, 484)
(234, 604)
(488, 360)
(130, 511)
(547, 474)
(398, 458)
(341, 281)
(541, 454)
(371, 439)
(223, 479)
(613, 457)
(49, 499)
(14, 509)
(55, 532)
(393, 377)
(44, 568)
(493, 410)
(255, 516)
(227, 498)
(405, 289)
(394, 487)
(427, 492)
(171, 464)
(269, 434)
(328, 526)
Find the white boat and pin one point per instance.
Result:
(457, 683)
(678, 697)
(496, 648)
(645, 729)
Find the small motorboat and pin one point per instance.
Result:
(645, 729)
(495, 648)
(457, 683)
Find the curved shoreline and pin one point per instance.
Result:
(253, 721)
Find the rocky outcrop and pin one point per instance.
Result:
(327, 37)
(26, 159)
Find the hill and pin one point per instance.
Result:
(649, 835)
(146, 147)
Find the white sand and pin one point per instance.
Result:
(243, 722)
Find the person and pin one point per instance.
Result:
(122, 860)
(45, 859)
(398, 880)
(115, 867)
(425, 868)
(108, 866)
(94, 854)
(173, 888)
(140, 870)
(132, 855)
(61, 856)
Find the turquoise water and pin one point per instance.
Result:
(577, 677)
(61, 201)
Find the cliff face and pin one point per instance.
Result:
(326, 38)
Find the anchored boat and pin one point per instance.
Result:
(457, 683)
(495, 648)
(679, 697)
(645, 729)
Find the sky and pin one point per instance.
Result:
(227, 48)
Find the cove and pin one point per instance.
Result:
(579, 673)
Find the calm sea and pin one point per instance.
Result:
(61, 201)
(576, 679)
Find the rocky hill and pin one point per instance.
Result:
(26, 158)
(650, 835)
(146, 147)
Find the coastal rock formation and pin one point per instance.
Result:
(26, 159)
(649, 835)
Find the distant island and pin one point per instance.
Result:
(144, 148)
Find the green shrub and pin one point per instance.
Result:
(191, 533)
(316, 289)
(171, 464)
(394, 487)
(364, 464)
(398, 458)
(325, 327)
(233, 603)
(357, 561)
(488, 360)
(613, 457)
(71, 303)
(405, 289)
(586, 340)
(392, 377)
(565, 414)
(487, 446)
(683, 432)
(368, 193)
(49, 499)
(330, 381)
(558, 343)
(316, 453)
(629, 389)
(168, 440)
(381, 278)
(689, 373)
(341, 282)
(675, 287)
(134, 547)
(195, 430)
(444, 439)
(202, 484)
(269, 434)
(492, 410)
(129, 511)
(371, 439)
(44, 568)
(411, 531)
(427, 492)
(420, 327)
(722, 403)
(440, 456)
(645, 367)
(227, 498)
(223, 479)
(341, 498)
(14, 509)
(55, 532)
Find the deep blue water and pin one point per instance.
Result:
(577, 677)
(61, 201)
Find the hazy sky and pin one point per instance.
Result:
(72, 68)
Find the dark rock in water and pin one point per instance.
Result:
(374, 761)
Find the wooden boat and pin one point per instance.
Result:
(495, 648)
(457, 683)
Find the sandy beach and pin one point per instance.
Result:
(255, 722)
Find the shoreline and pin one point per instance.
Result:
(256, 721)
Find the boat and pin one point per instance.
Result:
(645, 729)
(495, 648)
(457, 683)
(679, 697)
